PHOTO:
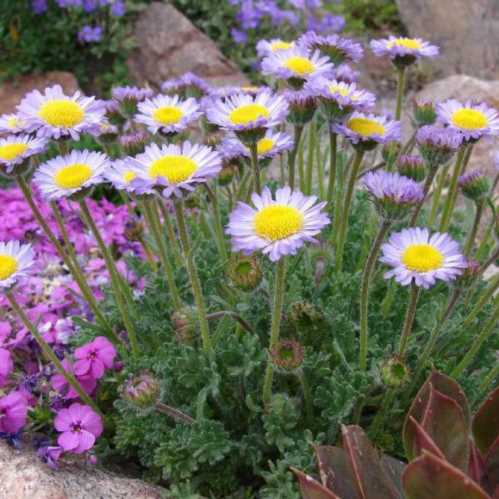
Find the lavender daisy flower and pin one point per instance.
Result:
(475, 185)
(437, 145)
(133, 142)
(231, 90)
(402, 50)
(14, 149)
(368, 130)
(135, 94)
(90, 34)
(411, 166)
(337, 48)
(188, 85)
(416, 256)
(174, 169)
(54, 114)
(296, 65)
(266, 47)
(121, 173)
(66, 175)
(276, 226)
(15, 261)
(11, 123)
(339, 98)
(345, 73)
(167, 114)
(393, 194)
(472, 120)
(248, 116)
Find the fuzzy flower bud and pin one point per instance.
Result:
(244, 272)
(302, 106)
(475, 185)
(134, 229)
(287, 355)
(184, 323)
(437, 145)
(424, 114)
(141, 390)
(394, 372)
(412, 167)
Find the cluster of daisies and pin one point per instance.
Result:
(235, 132)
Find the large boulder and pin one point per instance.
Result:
(11, 92)
(467, 32)
(169, 45)
(24, 476)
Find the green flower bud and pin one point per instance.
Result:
(244, 272)
(287, 355)
(394, 372)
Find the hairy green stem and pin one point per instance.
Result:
(476, 223)
(306, 396)
(409, 318)
(292, 156)
(401, 74)
(280, 276)
(255, 167)
(219, 229)
(489, 379)
(333, 143)
(426, 189)
(310, 157)
(170, 232)
(437, 195)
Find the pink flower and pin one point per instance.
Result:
(6, 366)
(13, 412)
(59, 383)
(94, 357)
(79, 426)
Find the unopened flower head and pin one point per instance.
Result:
(245, 272)
(417, 256)
(424, 113)
(472, 120)
(412, 166)
(394, 372)
(66, 175)
(248, 116)
(276, 225)
(187, 85)
(11, 123)
(437, 145)
(345, 73)
(53, 114)
(403, 51)
(475, 185)
(366, 131)
(337, 48)
(175, 169)
(266, 47)
(287, 355)
(14, 149)
(16, 260)
(133, 142)
(167, 114)
(296, 65)
(394, 195)
(302, 106)
(338, 98)
(141, 390)
(133, 94)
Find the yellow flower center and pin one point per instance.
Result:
(8, 266)
(277, 222)
(469, 119)
(422, 258)
(408, 43)
(128, 176)
(8, 152)
(73, 176)
(174, 168)
(12, 122)
(299, 65)
(63, 113)
(168, 115)
(336, 89)
(247, 113)
(366, 127)
(264, 145)
(280, 45)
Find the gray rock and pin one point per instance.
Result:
(24, 476)
(467, 32)
(169, 45)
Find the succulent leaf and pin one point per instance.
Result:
(312, 489)
(485, 425)
(422, 441)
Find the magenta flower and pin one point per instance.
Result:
(13, 412)
(93, 358)
(79, 426)
(6, 366)
(59, 383)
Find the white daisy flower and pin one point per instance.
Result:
(54, 114)
(11, 123)
(15, 261)
(122, 173)
(65, 175)
(276, 226)
(14, 149)
(265, 47)
(168, 114)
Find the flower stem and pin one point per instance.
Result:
(400, 91)
(73, 266)
(119, 293)
(280, 275)
(476, 223)
(170, 232)
(333, 143)
(452, 194)
(154, 226)
(49, 353)
(489, 379)
(482, 300)
(292, 156)
(194, 278)
(343, 229)
(257, 186)
(409, 318)
(364, 294)
(437, 195)
(306, 397)
(488, 329)
(312, 133)
(219, 230)
(426, 190)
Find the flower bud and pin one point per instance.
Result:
(244, 272)
(470, 273)
(184, 323)
(302, 107)
(474, 185)
(412, 166)
(226, 174)
(134, 229)
(141, 390)
(394, 372)
(287, 355)
(424, 114)
(390, 152)
(133, 143)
